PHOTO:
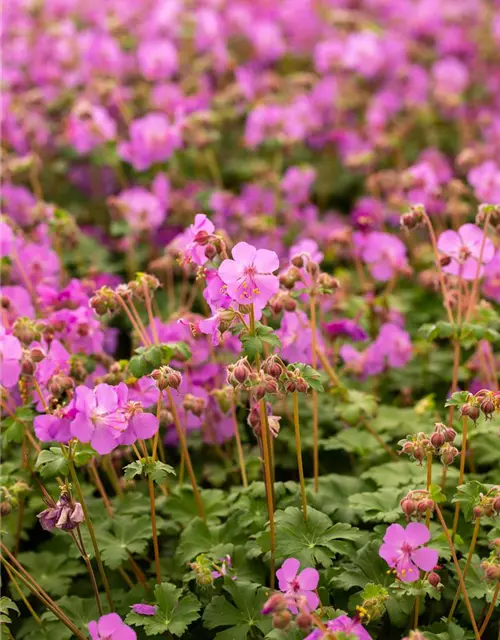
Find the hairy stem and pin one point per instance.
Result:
(463, 454)
(156, 547)
(187, 457)
(491, 609)
(239, 448)
(268, 482)
(459, 572)
(298, 448)
(90, 527)
(475, 533)
(314, 394)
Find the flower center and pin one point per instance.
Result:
(406, 547)
(294, 585)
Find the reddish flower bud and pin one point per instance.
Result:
(240, 372)
(487, 407)
(425, 505)
(282, 619)
(303, 620)
(450, 435)
(434, 579)
(408, 506)
(496, 504)
(210, 252)
(275, 603)
(438, 439)
(302, 385)
(471, 411)
(444, 261)
(478, 511)
(297, 261)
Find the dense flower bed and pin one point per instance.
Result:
(250, 326)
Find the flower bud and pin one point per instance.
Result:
(408, 506)
(444, 261)
(290, 386)
(303, 620)
(471, 411)
(450, 434)
(276, 602)
(496, 504)
(289, 303)
(302, 385)
(448, 454)
(25, 331)
(434, 579)
(210, 252)
(271, 386)
(259, 391)
(487, 407)
(437, 440)
(28, 367)
(478, 511)
(5, 508)
(298, 261)
(492, 571)
(282, 619)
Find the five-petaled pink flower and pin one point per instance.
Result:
(249, 275)
(298, 586)
(111, 627)
(463, 247)
(403, 550)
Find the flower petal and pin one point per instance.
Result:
(244, 253)
(449, 243)
(103, 441)
(144, 425)
(109, 623)
(230, 271)
(82, 428)
(312, 599)
(308, 579)
(389, 554)
(394, 535)
(417, 534)
(425, 558)
(288, 571)
(266, 261)
(107, 398)
(407, 571)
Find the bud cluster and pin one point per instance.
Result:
(416, 504)
(166, 377)
(202, 568)
(491, 566)
(278, 606)
(65, 514)
(439, 443)
(488, 504)
(413, 218)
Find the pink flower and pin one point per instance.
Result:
(491, 285)
(249, 276)
(157, 59)
(298, 586)
(10, 359)
(144, 609)
(189, 242)
(403, 550)
(464, 247)
(153, 138)
(111, 627)
(485, 178)
(89, 126)
(100, 418)
(385, 254)
(352, 627)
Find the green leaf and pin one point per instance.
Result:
(313, 542)
(378, 506)
(129, 535)
(133, 469)
(7, 604)
(54, 571)
(436, 493)
(51, 463)
(310, 375)
(174, 612)
(242, 616)
(458, 398)
(469, 495)
(159, 471)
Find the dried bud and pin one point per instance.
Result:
(478, 511)
(166, 377)
(5, 508)
(413, 218)
(289, 303)
(194, 404)
(448, 454)
(298, 261)
(328, 282)
(444, 261)
(496, 504)
(289, 278)
(25, 331)
(28, 367)
(58, 384)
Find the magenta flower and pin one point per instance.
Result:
(491, 284)
(100, 417)
(384, 254)
(54, 427)
(153, 138)
(141, 425)
(157, 59)
(144, 609)
(89, 126)
(140, 208)
(10, 359)
(190, 243)
(298, 586)
(351, 627)
(7, 239)
(225, 564)
(111, 627)
(249, 275)
(464, 247)
(346, 328)
(403, 550)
